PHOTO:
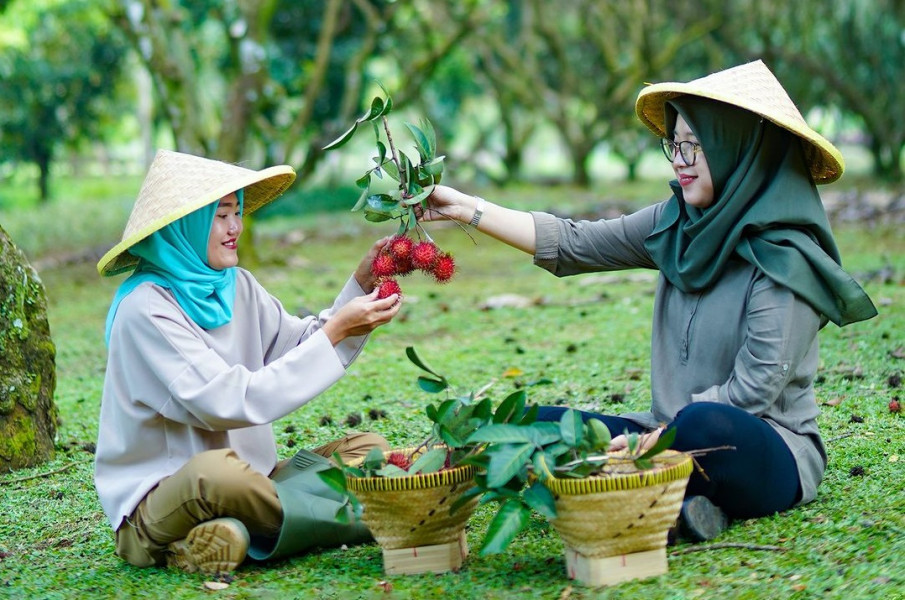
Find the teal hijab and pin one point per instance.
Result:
(766, 211)
(175, 257)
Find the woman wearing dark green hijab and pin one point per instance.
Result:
(749, 274)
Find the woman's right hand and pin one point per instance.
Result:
(445, 203)
(361, 316)
(514, 227)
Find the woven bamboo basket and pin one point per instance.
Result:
(625, 513)
(410, 518)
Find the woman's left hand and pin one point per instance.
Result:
(620, 442)
(363, 274)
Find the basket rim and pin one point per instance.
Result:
(418, 481)
(678, 465)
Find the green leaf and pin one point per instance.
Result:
(484, 409)
(334, 478)
(538, 434)
(541, 381)
(643, 463)
(391, 471)
(425, 151)
(631, 441)
(429, 462)
(422, 177)
(362, 200)
(598, 434)
(381, 152)
(390, 168)
(377, 110)
(345, 137)
(382, 203)
(509, 520)
(432, 386)
(465, 498)
(571, 427)
(506, 461)
(428, 129)
(376, 217)
(511, 408)
(342, 514)
(431, 412)
(364, 182)
(434, 167)
(663, 442)
(385, 92)
(419, 195)
(449, 438)
(419, 362)
(446, 410)
(374, 459)
(530, 415)
(540, 498)
(501, 433)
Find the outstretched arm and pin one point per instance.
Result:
(513, 227)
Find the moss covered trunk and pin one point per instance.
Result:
(28, 416)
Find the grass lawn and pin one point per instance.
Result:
(588, 334)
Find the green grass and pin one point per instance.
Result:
(589, 335)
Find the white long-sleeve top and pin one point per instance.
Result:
(173, 389)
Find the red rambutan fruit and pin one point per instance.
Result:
(400, 460)
(444, 268)
(424, 254)
(387, 288)
(384, 265)
(400, 247)
(895, 406)
(404, 266)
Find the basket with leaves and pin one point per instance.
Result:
(612, 509)
(414, 499)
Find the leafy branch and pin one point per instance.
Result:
(414, 179)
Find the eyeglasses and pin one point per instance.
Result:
(687, 150)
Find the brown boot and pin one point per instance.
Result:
(212, 547)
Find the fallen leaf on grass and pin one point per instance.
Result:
(215, 585)
(833, 401)
(507, 301)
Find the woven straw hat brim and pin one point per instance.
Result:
(751, 86)
(178, 184)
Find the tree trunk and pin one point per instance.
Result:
(28, 416)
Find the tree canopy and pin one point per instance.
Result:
(276, 79)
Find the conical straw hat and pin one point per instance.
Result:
(753, 87)
(177, 184)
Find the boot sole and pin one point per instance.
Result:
(216, 546)
(701, 520)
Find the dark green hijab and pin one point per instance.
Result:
(766, 211)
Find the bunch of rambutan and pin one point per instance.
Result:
(402, 255)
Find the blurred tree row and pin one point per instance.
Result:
(277, 79)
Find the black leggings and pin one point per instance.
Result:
(756, 479)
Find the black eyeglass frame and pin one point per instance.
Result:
(685, 149)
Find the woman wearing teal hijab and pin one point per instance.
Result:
(749, 273)
(176, 258)
(201, 361)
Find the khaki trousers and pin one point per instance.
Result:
(212, 484)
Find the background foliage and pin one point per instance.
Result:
(271, 81)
